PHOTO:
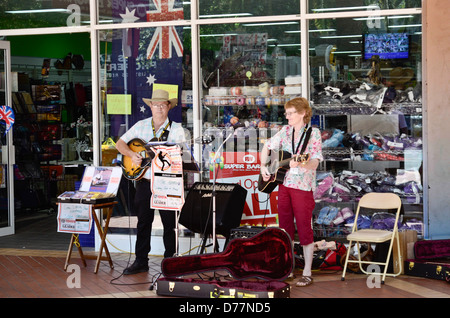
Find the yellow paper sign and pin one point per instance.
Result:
(118, 104)
(172, 89)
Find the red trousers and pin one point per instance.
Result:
(296, 205)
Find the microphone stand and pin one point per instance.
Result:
(214, 191)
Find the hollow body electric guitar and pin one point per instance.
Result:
(278, 169)
(133, 172)
(129, 169)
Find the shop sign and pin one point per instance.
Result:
(243, 168)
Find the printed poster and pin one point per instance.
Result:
(167, 178)
(74, 218)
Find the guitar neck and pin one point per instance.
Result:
(298, 158)
(284, 162)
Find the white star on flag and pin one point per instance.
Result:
(129, 16)
(151, 79)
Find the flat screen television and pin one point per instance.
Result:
(386, 45)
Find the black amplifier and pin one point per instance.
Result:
(245, 231)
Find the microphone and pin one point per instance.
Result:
(206, 139)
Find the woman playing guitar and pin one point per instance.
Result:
(295, 194)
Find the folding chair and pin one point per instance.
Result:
(376, 201)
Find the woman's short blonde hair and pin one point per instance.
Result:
(300, 104)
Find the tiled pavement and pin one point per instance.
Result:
(32, 266)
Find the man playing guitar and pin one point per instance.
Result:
(157, 127)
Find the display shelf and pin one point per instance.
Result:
(382, 156)
(359, 109)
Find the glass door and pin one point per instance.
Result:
(6, 147)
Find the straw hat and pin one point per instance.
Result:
(161, 95)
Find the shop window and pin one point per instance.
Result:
(320, 6)
(236, 8)
(43, 14)
(366, 90)
(143, 11)
(133, 63)
(244, 69)
(248, 73)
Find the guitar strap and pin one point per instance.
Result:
(306, 133)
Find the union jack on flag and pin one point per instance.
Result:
(165, 37)
(7, 115)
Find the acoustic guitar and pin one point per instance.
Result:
(129, 169)
(278, 169)
(133, 172)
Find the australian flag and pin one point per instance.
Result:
(143, 57)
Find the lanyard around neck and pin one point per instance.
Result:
(162, 133)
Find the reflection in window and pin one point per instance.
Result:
(367, 97)
(236, 8)
(133, 63)
(40, 14)
(320, 6)
(142, 11)
(367, 49)
(248, 72)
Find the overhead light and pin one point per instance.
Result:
(340, 36)
(400, 16)
(37, 11)
(100, 21)
(269, 23)
(322, 30)
(389, 17)
(369, 18)
(371, 7)
(345, 52)
(222, 34)
(288, 44)
(225, 15)
(404, 26)
(311, 31)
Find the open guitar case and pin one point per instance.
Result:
(431, 260)
(256, 266)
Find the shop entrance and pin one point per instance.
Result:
(52, 135)
(7, 155)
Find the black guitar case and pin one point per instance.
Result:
(266, 258)
(431, 260)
